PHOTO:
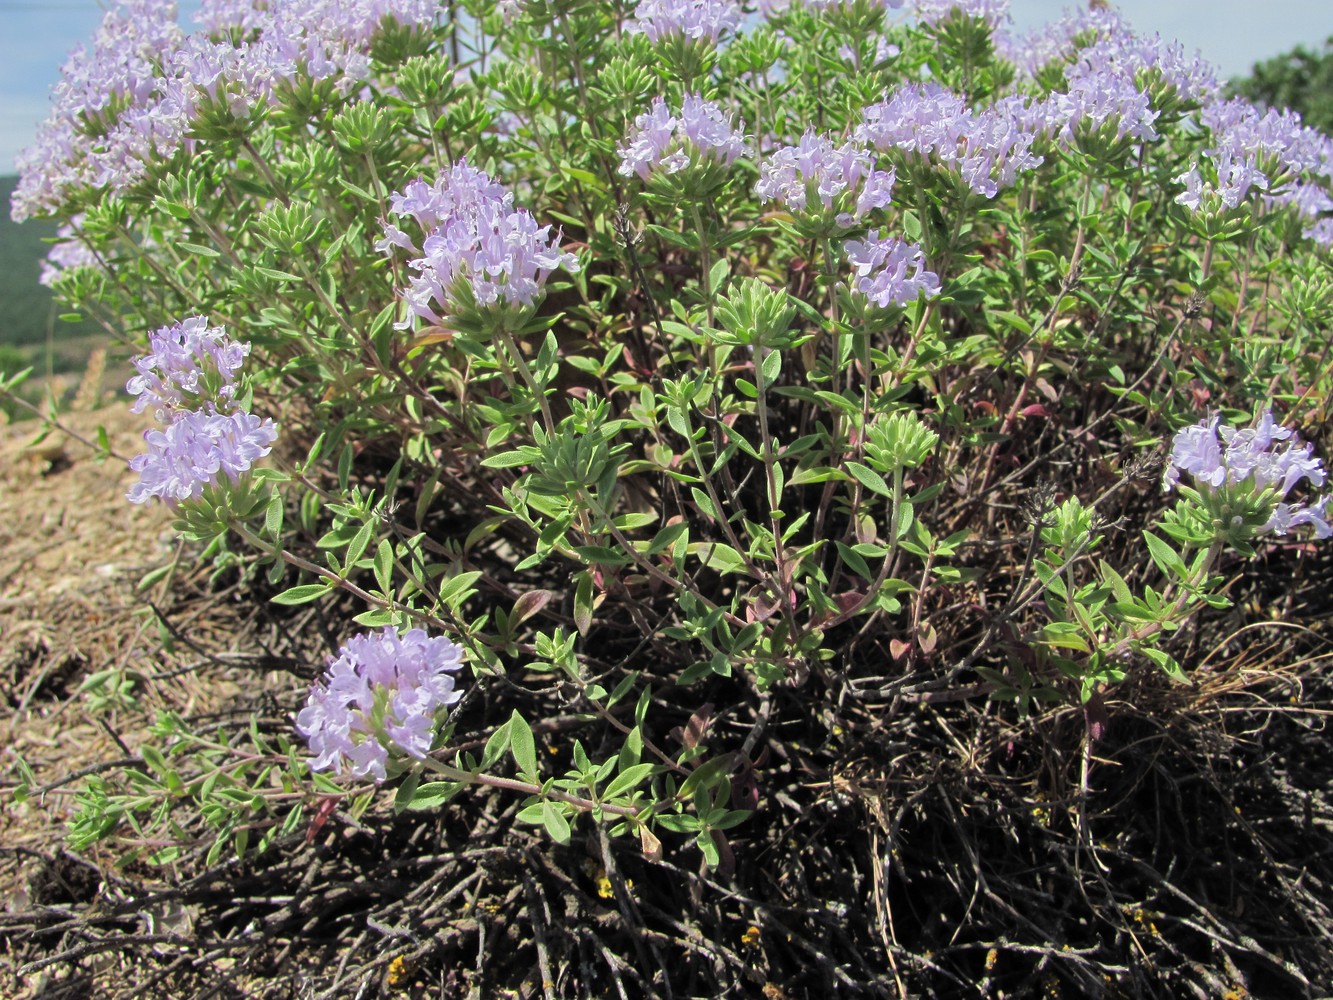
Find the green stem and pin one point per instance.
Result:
(706, 280)
(507, 340)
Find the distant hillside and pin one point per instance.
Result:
(27, 310)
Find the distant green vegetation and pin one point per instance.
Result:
(1301, 80)
(30, 331)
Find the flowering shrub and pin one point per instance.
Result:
(634, 360)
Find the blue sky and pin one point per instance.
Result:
(36, 35)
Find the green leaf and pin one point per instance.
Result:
(1168, 664)
(273, 515)
(583, 596)
(705, 504)
(667, 537)
(1117, 583)
(303, 594)
(511, 459)
(495, 746)
(602, 555)
(360, 542)
(556, 824)
(728, 819)
(1166, 558)
(869, 478)
(522, 745)
(406, 790)
(720, 557)
(433, 794)
(628, 779)
(854, 561)
(201, 251)
(625, 686)
(632, 750)
(458, 588)
(384, 565)
(704, 775)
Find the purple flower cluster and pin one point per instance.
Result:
(1144, 61)
(696, 20)
(1095, 99)
(193, 364)
(988, 147)
(473, 234)
(1252, 460)
(81, 139)
(1111, 74)
(701, 130)
(890, 272)
(69, 253)
(842, 178)
(884, 49)
(993, 12)
(188, 364)
(132, 98)
(192, 451)
(1255, 150)
(380, 696)
(1059, 41)
(826, 5)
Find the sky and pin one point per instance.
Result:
(36, 36)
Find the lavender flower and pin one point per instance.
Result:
(1230, 466)
(830, 4)
(98, 85)
(1145, 61)
(841, 178)
(69, 253)
(1059, 41)
(1096, 100)
(380, 696)
(474, 235)
(884, 50)
(194, 450)
(693, 19)
(987, 147)
(702, 131)
(890, 272)
(187, 363)
(133, 97)
(1256, 150)
(993, 12)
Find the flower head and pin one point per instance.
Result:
(380, 697)
(195, 450)
(1232, 468)
(188, 364)
(693, 19)
(474, 235)
(1259, 151)
(701, 131)
(843, 179)
(890, 272)
(1059, 41)
(988, 147)
(993, 12)
(70, 252)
